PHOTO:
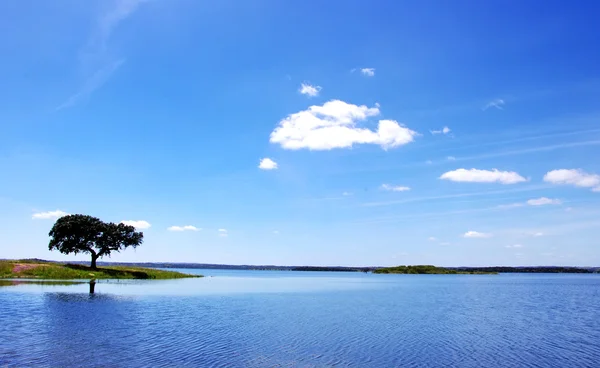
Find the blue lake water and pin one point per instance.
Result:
(306, 319)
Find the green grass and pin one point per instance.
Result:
(426, 270)
(59, 271)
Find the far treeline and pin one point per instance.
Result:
(443, 270)
(427, 270)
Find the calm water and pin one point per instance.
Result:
(289, 319)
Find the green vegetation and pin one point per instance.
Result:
(74, 234)
(58, 271)
(427, 270)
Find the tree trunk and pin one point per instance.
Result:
(94, 258)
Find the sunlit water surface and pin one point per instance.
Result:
(294, 319)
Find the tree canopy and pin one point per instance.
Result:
(73, 234)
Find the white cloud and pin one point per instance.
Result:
(451, 158)
(276, 232)
(432, 238)
(346, 194)
(428, 162)
(394, 188)
(267, 164)
(183, 228)
(476, 234)
(497, 103)
(576, 177)
(532, 202)
(333, 125)
(137, 224)
(483, 176)
(309, 90)
(543, 201)
(444, 130)
(369, 72)
(223, 232)
(48, 215)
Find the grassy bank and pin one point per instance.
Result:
(428, 270)
(60, 271)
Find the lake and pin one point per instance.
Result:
(306, 319)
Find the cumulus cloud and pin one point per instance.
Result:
(141, 224)
(575, 177)
(497, 103)
(444, 130)
(543, 201)
(394, 188)
(513, 246)
(369, 72)
(183, 228)
(267, 164)
(334, 125)
(476, 234)
(309, 90)
(483, 176)
(48, 215)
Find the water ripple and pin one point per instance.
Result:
(420, 321)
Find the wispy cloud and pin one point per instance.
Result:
(309, 90)
(513, 246)
(497, 103)
(542, 201)
(223, 233)
(459, 195)
(184, 228)
(94, 82)
(95, 59)
(394, 188)
(48, 215)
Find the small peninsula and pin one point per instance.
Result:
(36, 269)
(428, 270)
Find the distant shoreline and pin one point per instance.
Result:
(487, 269)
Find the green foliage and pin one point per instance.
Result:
(422, 270)
(57, 271)
(73, 234)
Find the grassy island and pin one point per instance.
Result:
(26, 269)
(428, 270)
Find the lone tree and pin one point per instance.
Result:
(87, 234)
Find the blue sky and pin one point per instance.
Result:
(304, 132)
